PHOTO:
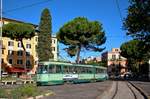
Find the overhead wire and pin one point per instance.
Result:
(26, 6)
(118, 7)
(120, 15)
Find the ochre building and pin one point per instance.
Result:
(14, 59)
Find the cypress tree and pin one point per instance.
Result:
(44, 37)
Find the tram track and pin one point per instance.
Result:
(125, 90)
(116, 90)
(127, 83)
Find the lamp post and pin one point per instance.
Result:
(149, 69)
(1, 23)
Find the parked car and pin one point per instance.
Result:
(128, 75)
(4, 74)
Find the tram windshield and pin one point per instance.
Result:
(42, 69)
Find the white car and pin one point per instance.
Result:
(4, 74)
(70, 77)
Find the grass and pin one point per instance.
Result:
(22, 92)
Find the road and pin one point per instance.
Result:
(78, 91)
(98, 90)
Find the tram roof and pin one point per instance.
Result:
(70, 64)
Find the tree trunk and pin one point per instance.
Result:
(21, 40)
(78, 55)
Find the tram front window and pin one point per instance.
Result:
(42, 69)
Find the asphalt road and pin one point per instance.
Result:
(78, 91)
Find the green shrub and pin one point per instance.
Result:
(21, 92)
(25, 91)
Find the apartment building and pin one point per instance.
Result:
(55, 47)
(115, 62)
(14, 57)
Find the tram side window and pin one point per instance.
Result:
(58, 69)
(102, 71)
(44, 69)
(89, 70)
(54, 69)
(40, 69)
(66, 69)
(50, 70)
(98, 70)
(71, 70)
(84, 69)
(77, 69)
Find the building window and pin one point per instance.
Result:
(36, 62)
(36, 46)
(19, 61)
(10, 61)
(19, 44)
(53, 48)
(27, 53)
(2, 51)
(54, 41)
(10, 52)
(10, 43)
(28, 63)
(116, 50)
(119, 56)
(113, 56)
(2, 60)
(36, 38)
(28, 45)
(20, 53)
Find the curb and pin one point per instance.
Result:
(144, 94)
(41, 96)
(108, 93)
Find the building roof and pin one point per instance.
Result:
(14, 20)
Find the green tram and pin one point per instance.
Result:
(51, 73)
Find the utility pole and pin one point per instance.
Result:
(1, 23)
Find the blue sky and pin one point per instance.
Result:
(62, 11)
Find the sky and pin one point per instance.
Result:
(62, 11)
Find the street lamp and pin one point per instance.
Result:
(149, 69)
(1, 23)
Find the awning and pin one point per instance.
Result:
(17, 70)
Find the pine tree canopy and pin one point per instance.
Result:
(81, 33)
(137, 22)
(18, 31)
